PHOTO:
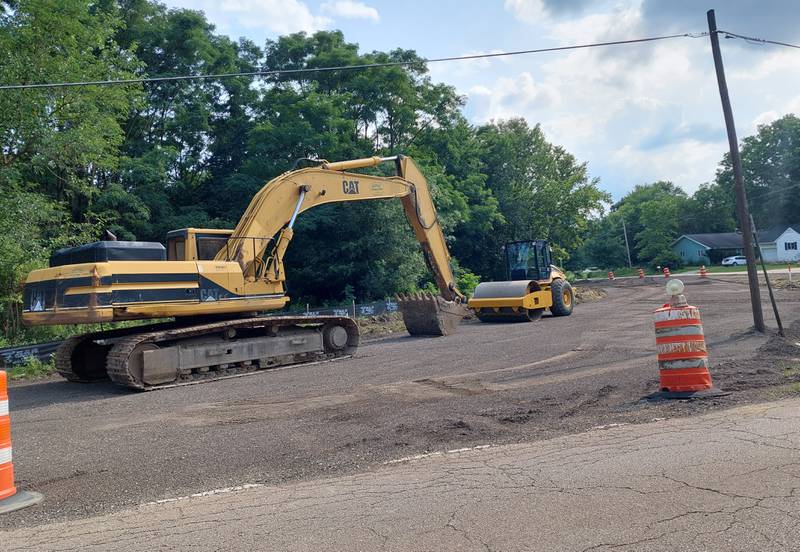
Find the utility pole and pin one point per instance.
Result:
(738, 182)
(627, 247)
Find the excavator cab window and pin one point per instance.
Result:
(209, 246)
(176, 249)
(528, 260)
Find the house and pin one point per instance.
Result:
(778, 244)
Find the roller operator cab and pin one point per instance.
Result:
(533, 286)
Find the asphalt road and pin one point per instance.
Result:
(720, 482)
(95, 448)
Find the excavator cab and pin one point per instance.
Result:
(196, 244)
(528, 260)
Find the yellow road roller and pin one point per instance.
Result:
(533, 286)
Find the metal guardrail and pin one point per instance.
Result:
(354, 309)
(13, 356)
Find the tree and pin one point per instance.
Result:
(542, 190)
(64, 140)
(31, 226)
(771, 171)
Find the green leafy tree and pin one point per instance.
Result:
(542, 190)
(771, 171)
(64, 140)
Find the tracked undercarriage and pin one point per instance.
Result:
(170, 354)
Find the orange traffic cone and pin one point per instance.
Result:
(10, 498)
(610, 275)
(703, 272)
(666, 272)
(682, 353)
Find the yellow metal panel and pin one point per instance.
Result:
(69, 316)
(216, 307)
(534, 300)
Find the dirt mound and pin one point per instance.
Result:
(776, 365)
(588, 294)
(788, 346)
(381, 325)
(784, 283)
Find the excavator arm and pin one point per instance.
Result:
(261, 238)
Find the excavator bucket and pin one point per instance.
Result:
(428, 314)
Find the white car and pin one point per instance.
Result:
(733, 261)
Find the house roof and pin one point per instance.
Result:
(733, 240)
(721, 240)
(772, 234)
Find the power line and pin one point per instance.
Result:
(307, 70)
(755, 40)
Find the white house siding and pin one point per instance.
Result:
(769, 252)
(791, 237)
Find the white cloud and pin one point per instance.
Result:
(349, 9)
(512, 97)
(637, 114)
(529, 11)
(457, 70)
(685, 163)
(766, 117)
(275, 16)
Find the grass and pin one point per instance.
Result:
(719, 268)
(791, 370)
(33, 368)
(617, 272)
(795, 388)
(649, 271)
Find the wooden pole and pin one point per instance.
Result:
(738, 181)
(627, 247)
(766, 279)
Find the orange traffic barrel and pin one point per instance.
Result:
(610, 275)
(641, 273)
(703, 273)
(10, 498)
(666, 272)
(682, 353)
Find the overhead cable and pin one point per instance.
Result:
(309, 70)
(755, 40)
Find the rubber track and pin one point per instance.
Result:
(63, 355)
(117, 360)
(63, 358)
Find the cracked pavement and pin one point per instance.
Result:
(724, 481)
(95, 450)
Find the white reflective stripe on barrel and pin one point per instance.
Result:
(683, 364)
(687, 313)
(681, 347)
(679, 330)
(3, 408)
(5, 455)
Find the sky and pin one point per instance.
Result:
(634, 114)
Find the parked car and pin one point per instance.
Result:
(733, 261)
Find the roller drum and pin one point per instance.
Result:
(505, 290)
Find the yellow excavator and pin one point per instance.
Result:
(212, 284)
